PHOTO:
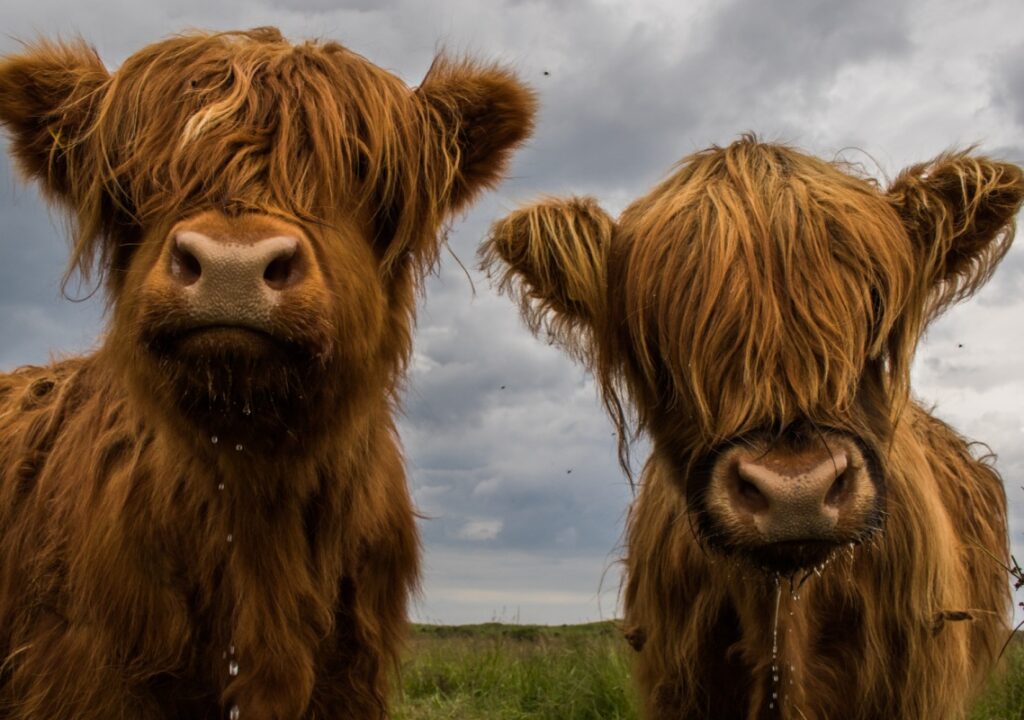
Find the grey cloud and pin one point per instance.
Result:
(35, 320)
(629, 102)
(1009, 91)
(1008, 283)
(630, 88)
(500, 425)
(482, 584)
(331, 6)
(537, 454)
(30, 243)
(977, 367)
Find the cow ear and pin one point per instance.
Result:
(552, 256)
(480, 114)
(959, 211)
(48, 95)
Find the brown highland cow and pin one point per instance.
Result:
(208, 517)
(808, 542)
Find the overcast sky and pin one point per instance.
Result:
(510, 456)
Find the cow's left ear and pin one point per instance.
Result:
(959, 211)
(480, 114)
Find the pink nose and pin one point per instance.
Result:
(236, 283)
(796, 496)
(273, 263)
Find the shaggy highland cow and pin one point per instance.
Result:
(208, 516)
(808, 542)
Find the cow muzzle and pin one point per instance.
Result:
(235, 284)
(787, 508)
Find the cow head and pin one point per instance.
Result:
(261, 211)
(758, 311)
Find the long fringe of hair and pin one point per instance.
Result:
(754, 284)
(256, 123)
(754, 287)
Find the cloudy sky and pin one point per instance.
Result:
(510, 456)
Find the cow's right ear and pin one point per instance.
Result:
(48, 97)
(552, 256)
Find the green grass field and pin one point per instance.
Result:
(573, 672)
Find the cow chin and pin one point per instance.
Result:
(240, 382)
(786, 558)
(789, 558)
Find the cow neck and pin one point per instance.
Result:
(228, 510)
(779, 636)
(221, 506)
(784, 692)
(254, 498)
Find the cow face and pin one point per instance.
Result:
(261, 211)
(758, 311)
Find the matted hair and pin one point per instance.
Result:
(759, 296)
(195, 496)
(826, 276)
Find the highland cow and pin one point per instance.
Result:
(808, 542)
(208, 516)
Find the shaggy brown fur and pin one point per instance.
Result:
(172, 503)
(759, 294)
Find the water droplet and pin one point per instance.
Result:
(775, 678)
(247, 410)
(220, 486)
(231, 649)
(231, 538)
(234, 713)
(238, 447)
(771, 706)
(233, 668)
(775, 621)
(213, 439)
(775, 696)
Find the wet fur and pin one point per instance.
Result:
(120, 594)
(862, 636)
(754, 290)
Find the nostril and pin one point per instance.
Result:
(748, 491)
(185, 266)
(837, 493)
(282, 271)
(749, 496)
